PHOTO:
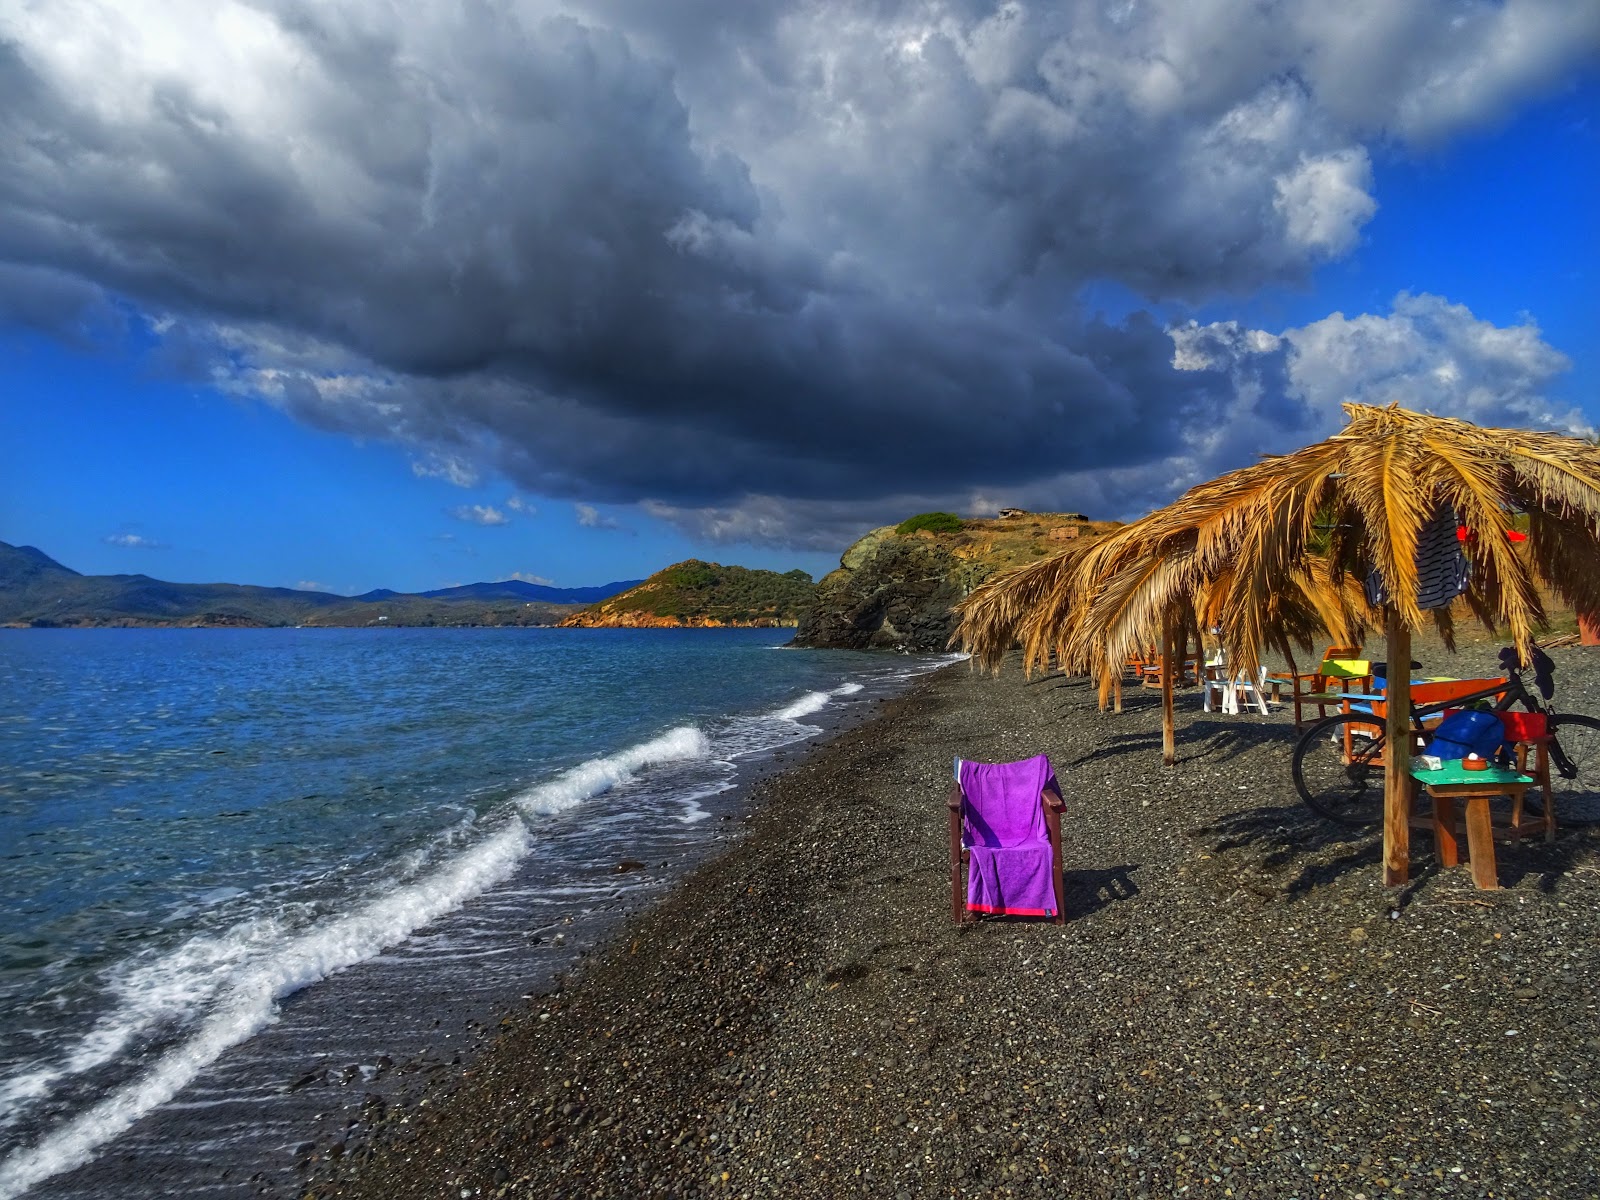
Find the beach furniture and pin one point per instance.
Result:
(1005, 840)
(1423, 693)
(1451, 785)
(1340, 671)
(1187, 667)
(1222, 688)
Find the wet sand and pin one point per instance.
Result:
(1236, 1006)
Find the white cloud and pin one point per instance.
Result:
(311, 585)
(1325, 200)
(525, 577)
(1431, 354)
(445, 466)
(134, 541)
(518, 505)
(1426, 354)
(479, 514)
(591, 517)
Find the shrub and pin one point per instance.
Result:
(935, 522)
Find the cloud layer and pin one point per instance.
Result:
(752, 264)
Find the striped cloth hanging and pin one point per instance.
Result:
(1441, 565)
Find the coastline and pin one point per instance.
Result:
(1236, 1003)
(367, 1031)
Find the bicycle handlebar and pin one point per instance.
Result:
(1544, 670)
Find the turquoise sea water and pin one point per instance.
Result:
(197, 824)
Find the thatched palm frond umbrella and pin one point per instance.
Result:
(1036, 605)
(1051, 609)
(1269, 551)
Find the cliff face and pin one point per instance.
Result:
(889, 593)
(895, 591)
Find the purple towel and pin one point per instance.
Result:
(1010, 865)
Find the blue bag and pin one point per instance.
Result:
(1467, 732)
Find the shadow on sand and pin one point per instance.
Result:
(1087, 892)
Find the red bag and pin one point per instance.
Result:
(1523, 726)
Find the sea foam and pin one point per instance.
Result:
(600, 775)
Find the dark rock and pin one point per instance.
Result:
(890, 593)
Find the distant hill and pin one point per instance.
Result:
(35, 590)
(23, 566)
(703, 594)
(516, 589)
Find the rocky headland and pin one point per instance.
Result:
(895, 587)
(701, 595)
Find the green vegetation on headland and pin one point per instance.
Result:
(934, 522)
(704, 594)
(38, 592)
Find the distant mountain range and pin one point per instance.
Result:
(35, 590)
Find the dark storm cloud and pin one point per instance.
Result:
(708, 255)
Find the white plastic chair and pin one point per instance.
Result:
(1221, 688)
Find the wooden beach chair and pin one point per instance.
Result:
(1005, 841)
(1187, 665)
(1341, 670)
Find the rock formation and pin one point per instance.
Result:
(895, 590)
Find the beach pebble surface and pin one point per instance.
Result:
(1236, 1005)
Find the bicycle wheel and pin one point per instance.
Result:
(1577, 798)
(1338, 769)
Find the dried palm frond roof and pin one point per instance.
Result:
(1271, 554)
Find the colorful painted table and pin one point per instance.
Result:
(1453, 783)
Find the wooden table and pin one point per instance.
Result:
(1452, 783)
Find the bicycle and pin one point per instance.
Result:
(1339, 767)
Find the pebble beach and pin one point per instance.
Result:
(1236, 1005)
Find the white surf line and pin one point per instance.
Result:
(602, 774)
(249, 1002)
(249, 998)
(814, 702)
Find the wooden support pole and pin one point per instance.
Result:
(1397, 754)
(1169, 731)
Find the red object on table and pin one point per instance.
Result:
(1524, 726)
(1474, 764)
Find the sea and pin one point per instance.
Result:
(254, 880)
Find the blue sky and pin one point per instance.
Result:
(701, 321)
(1501, 220)
(231, 490)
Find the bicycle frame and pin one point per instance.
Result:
(1513, 691)
(1338, 781)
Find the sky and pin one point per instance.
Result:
(347, 294)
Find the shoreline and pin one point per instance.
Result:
(364, 1036)
(1235, 1002)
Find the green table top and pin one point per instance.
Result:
(1453, 773)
